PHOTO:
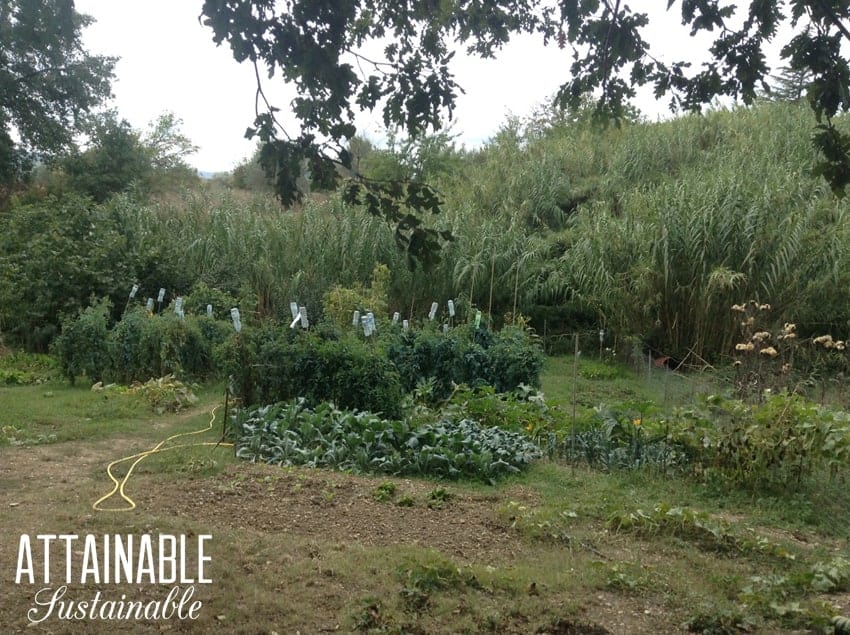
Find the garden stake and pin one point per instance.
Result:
(133, 292)
(224, 420)
(575, 394)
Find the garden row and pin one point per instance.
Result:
(269, 363)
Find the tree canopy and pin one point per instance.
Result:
(324, 47)
(48, 82)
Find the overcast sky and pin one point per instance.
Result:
(168, 62)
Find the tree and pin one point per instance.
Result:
(789, 85)
(320, 45)
(119, 157)
(115, 160)
(48, 82)
(166, 143)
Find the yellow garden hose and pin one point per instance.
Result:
(119, 485)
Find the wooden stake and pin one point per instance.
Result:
(575, 393)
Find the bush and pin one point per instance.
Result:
(140, 346)
(70, 235)
(201, 295)
(467, 355)
(273, 364)
(776, 444)
(84, 346)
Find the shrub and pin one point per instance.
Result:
(195, 303)
(165, 394)
(775, 444)
(140, 346)
(83, 347)
(619, 437)
(339, 302)
(467, 355)
(273, 364)
(69, 234)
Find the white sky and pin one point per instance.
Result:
(170, 63)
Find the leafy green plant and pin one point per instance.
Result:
(625, 577)
(291, 434)
(467, 355)
(622, 436)
(437, 498)
(339, 302)
(602, 371)
(423, 577)
(696, 526)
(21, 368)
(271, 364)
(165, 394)
(775, 444)
(524, 409)
(384, 492)
(12, 435)
(406, 501)
(83, 347)
(540, 524)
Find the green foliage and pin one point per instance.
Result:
(545, 525)
(522, 410)
(22, 368)
(695, 526)
(195, 303)
(146, 346)
(592, 369)
(466, 355)
(12, 435)
(139, 347)
(83, 347)
(416, 88)
(384, 492)
(778, 444)
(339, 302)
(622, 436)
(115, 161)
(48, 82)
(54, 256)
(165, 394)
(438, 498)
(291, 434)
(347, 372)
(782, 597)
(724, 622)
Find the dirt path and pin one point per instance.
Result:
(300, 550)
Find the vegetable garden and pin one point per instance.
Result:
(699, 422)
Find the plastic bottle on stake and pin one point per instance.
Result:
(237, 322)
